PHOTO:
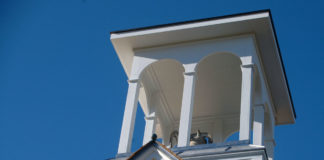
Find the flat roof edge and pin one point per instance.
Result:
(191, 21)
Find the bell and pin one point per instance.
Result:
(200, 138)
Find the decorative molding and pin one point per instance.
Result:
(194, 73)
(150, 117)
(133, 80)
(251, 65)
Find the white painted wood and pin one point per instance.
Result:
(246, 98)
(188, 26)
(126, 136)
(258, 125)
(128, 43)
(150, 123)
(158, 56)
(187, 109)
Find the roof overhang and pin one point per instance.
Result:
(259, 23)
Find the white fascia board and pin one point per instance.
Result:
(279, 59)
(189, 26)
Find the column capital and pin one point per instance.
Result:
(193, 73)
(136, 80)
(150, 117)
(190, 69)
(248, 65)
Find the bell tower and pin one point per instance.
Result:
(201, 82)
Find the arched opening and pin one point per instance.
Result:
(217, 96)
(162, 83)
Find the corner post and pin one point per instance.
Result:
(126, 136)
(246, 98)
(149, 127)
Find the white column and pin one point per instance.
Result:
(246, 97)
(258, 125)
(126, 136)
(150, 122)
(186, 109)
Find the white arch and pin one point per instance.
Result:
(147, 65)
(215, 54)
(155, 99)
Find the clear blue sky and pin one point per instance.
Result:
(63, 89)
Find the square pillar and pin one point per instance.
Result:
(186, 109)
(126, 136)
(258, 125)
(246, 98)
(150, 123)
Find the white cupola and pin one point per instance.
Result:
(199, 82)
